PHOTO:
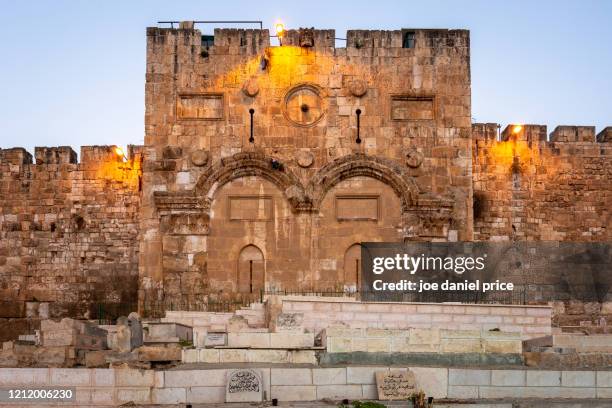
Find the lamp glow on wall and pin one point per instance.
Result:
(279, 27)
(119, 152)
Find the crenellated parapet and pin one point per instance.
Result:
(68, 231)
(90, 155)
(528, 185)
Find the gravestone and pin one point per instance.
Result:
(215, 339)
(120, 339)
(244, 386)
(135, 330)
(290, 322)
(395, 385)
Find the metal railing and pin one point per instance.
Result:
(521, 295)
(172, 23)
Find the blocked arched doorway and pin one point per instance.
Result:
(352, 266)
(251, 270)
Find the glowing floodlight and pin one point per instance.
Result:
(280, 29)
(516, 129)
(119, 152)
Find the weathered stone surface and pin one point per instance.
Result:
(395, 385)
(112, 230)
(159, 353)
(244, 385)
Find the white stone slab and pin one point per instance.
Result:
(244, 385)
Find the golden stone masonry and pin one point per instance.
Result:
(264, 167)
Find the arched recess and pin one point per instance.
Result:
(356, 209)
(355, 165)
(352, 266)
(251, 270)
(253, 211)
(252, 164)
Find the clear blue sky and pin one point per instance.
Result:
(72, 72)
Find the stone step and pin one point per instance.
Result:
(238, 355)
(271, 340)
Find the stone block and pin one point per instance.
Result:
(432, 380)
(302, 357)
(459, 334)
(461, 346)
(232, 355)
(292, 322)
(338, 392)
(244, 385)
(24, 376)
(97, 358)
(604, 379)
(102, 396)
(604, 392)
(503, 346)
(127, 377)
(209, 356)
(515, 378)
(186, 378)
(189, 356)
(578, 378)
(463, 391)
(468, 377)
(339, 344)
(168, 396)
(251, 340)
(205, 395)
(215, 339)
(294, 392)
(329, 376)
(541, 378)
(375, 345)
(291, 340)
(101, 377)
(290, 376)
(159, 353)
(267, 356)
(70, 376)
(362, 375)
(135, 395)
(369, 391)
(393, 385)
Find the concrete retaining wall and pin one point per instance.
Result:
(530, 321)
(116, 386)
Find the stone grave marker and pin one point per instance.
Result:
(290, 322)
(243, 385)
(395, 385)
(135, 325)
(215, 339)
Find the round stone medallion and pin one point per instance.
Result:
(358, 87)
(414, 158)
(250, 87)
(304, 158)
(303, 105)
(199, 157)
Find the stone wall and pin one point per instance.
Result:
(291, 202)
(434, 340)
(528, 188)
(117, 386)
(530, 321)
(68, 234)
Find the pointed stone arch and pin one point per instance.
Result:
(355, 165)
